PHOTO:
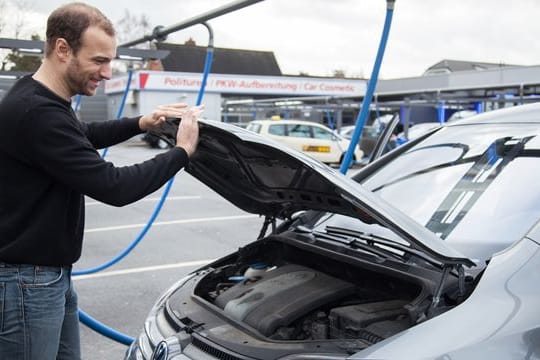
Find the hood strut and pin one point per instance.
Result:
(461, 285)
(437, 295)
(267, 221)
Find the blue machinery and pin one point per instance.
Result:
(160, 33)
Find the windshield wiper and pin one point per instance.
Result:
(357, 244)
(371, 241)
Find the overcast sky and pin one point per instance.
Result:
(320, 36)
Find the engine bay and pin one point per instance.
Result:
(284, 291)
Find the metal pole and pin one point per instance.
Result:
(161, 33)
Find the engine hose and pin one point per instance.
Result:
(369, 336)
(85, 318)
(364, 112)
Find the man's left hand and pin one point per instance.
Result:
(158, 116)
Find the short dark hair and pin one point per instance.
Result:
(71, 21)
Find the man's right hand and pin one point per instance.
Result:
(187, 136)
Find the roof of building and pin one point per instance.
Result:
(191, 58)
(450, 66)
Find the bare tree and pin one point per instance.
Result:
(17, 20)
(339, 73)
(20, 17)
(131, 26)
(14, 16)
(23, 62)
(2, 19)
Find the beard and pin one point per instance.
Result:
(77, 80)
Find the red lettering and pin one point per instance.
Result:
(226, 83)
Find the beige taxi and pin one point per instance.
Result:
(313, 139)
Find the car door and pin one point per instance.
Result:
(312, 141)
(328, 145)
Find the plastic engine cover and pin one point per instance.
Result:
(280, 296)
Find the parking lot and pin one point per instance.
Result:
(194, 226)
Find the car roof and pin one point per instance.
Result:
(516, 114)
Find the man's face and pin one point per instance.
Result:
(92, 63)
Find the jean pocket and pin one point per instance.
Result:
(42, 276)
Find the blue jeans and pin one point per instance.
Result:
(38, 313)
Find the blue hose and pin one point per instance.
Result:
(364, 112)
(77, 105)
(122, 105)
(104, 330)
(209, 57)
(330, 118)
(136, 241)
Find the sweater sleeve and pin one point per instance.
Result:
(107, 133)
(57, 144)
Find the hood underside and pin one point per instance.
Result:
(261, 176)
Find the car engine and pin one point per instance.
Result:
(289, 295)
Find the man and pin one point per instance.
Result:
(48, 162)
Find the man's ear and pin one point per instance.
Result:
(62, 49)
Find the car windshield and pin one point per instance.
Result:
(476, 186)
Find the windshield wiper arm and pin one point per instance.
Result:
(372, 239)
(356, 244)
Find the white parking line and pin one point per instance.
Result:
(91, 203)
(173, 222)
(142, 269)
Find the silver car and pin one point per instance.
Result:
(430, 252)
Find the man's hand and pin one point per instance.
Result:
(158, 116)
(187, 136)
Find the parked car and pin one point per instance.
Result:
(154, 141)
(370, 133)
(347, 131)
(430, 252)
(368, 139)
(313, 139)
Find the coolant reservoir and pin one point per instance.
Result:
(256, 269)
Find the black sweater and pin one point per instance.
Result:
(48, 162)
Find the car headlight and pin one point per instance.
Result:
(167, 294)
(152, 335)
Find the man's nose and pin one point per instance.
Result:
(105, 71)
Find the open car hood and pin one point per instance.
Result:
(261, 176)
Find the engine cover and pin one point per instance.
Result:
(280, 296)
